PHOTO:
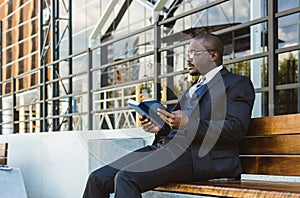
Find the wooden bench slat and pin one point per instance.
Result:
(272, 165)
(279, 144)
(236, 188)
(271, 147)
(284, 124)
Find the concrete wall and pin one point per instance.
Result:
(57, 164)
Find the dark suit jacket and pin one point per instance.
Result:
(218, 122)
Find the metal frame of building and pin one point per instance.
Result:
(52, 27)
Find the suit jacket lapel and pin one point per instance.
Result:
(209, 86)
(217, 77)
(201, 93)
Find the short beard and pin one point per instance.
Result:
(194, 73)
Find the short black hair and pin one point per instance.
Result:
(213, 41)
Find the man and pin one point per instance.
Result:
(202, 140)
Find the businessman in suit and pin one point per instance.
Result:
(202, 139)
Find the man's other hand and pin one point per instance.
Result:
(177, 119)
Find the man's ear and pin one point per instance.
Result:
(214, 55)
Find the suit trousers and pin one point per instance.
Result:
(141, 170)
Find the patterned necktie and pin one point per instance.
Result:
(200, 82)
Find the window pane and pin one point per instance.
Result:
(288, 68)
(288, 101)
(286, 5)
(288, 30)
(260, 108)
(174, 60)
(173, 86)
(256, 70)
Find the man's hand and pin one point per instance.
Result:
(177, 119)
(148, 126)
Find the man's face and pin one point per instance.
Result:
(198, 58)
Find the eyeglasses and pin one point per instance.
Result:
(191, 54)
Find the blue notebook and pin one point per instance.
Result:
(148, 108)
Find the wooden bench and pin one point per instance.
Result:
(272, 148)
(3, 153)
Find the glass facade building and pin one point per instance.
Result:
(72, 65)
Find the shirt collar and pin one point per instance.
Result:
(212, 73)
